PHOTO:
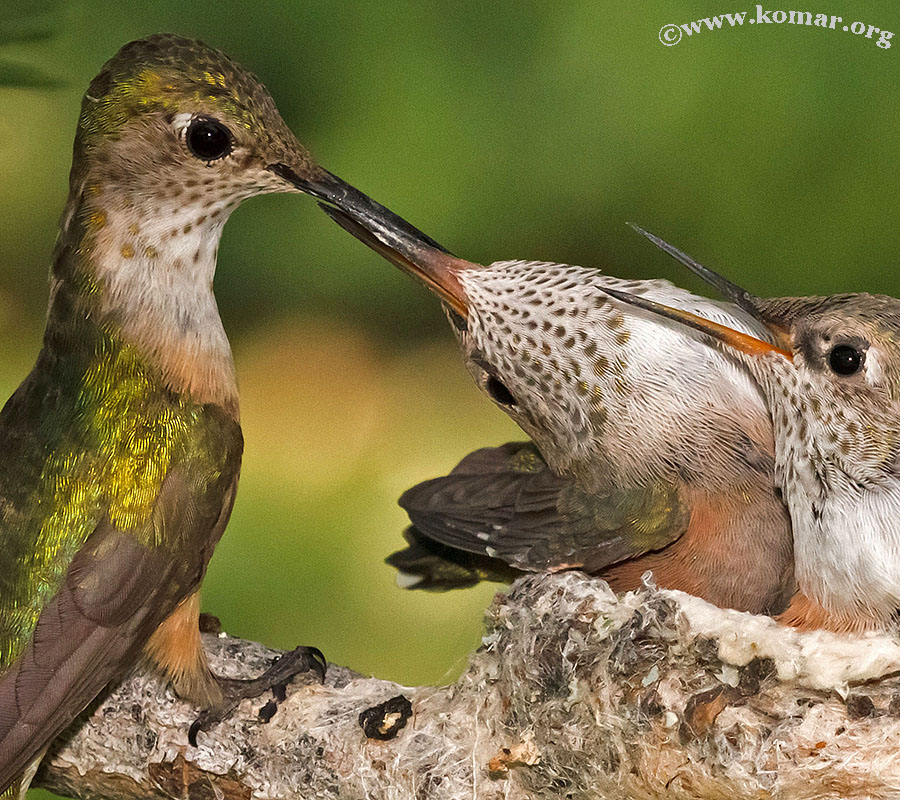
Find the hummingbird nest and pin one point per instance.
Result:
(575, 693)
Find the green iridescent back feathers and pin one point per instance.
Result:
(90, 435)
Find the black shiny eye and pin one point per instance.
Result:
(208, 139)
(845, 360)
(499, 392)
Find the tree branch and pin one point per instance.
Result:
(574, 693)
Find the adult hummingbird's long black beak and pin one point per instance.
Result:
(386, 233)
(741, 297)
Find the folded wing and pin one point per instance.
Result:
(503, 510)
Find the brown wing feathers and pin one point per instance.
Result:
(117, 591)
(505, 503)
(80, 640)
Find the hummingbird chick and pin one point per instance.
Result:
(120, 452)
(829, 368)
(651, 451)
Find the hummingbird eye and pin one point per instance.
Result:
(498, 392)
(208, 139)
(845, 360)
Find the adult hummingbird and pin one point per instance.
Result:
(120, 452)
(650, 450)
(829, 368)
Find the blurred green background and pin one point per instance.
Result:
(530, 130)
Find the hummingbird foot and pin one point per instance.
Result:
(298, 661)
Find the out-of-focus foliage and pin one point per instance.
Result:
(30, 21)
(529, 129)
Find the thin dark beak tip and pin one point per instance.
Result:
(623, 296)
(730, 290)
(651, 236)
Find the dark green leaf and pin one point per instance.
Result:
(21, 76)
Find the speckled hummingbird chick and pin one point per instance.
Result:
(651, 451)
(120, 452)
(830, 371)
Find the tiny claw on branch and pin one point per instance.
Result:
(275, 678)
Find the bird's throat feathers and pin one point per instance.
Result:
(142, 271)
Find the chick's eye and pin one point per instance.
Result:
(208, 139)
(845, 360)
(499, 392)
